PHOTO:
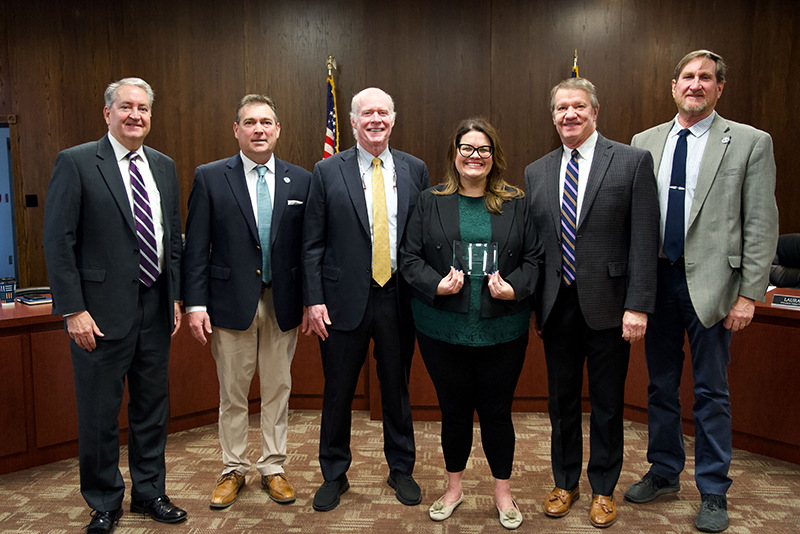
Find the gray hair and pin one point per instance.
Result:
(706, 54)
(248, 100)
(574, 83)
(111, 91)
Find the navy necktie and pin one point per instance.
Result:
(673, 229)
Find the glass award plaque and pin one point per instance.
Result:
(475, 258)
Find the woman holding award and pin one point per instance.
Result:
(471, 255)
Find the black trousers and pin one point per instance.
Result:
(343, 355)
(142, 357)
(475, 378)
(568, 344)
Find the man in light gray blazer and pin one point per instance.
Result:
(595, 206)
(719, 231)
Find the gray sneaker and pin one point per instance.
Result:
(713, 514)
(651, 486)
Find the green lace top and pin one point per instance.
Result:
(470, 329)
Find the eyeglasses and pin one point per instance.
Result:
(485, 151)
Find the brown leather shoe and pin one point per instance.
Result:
(558, 503)
(604, 511)
(280, 490)
(227, 490)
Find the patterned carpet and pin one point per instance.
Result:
(764, 498)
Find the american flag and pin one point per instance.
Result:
(332, 128)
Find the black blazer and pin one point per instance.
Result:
(337, 247)
(427, 254)
(222, 255)
(90, 239)
(617, 240)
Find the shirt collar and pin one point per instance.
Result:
(586, 149)
(249, 164)
(697, 130)
(366, 157)
(120, 152)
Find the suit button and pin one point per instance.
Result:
(258, 247)
(136, 251)
(134, 281)
(510, 253)
(258, 272)
(369, 270)
(438, 246)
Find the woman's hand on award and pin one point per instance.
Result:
(452, 283)
(499, 288)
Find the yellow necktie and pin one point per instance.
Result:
(381, 260)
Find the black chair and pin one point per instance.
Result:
(785, 269)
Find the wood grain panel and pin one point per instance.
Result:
(434, 59)
(12, 395)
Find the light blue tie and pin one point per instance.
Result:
(264, 222)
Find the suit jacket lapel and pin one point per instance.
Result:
(109, 170)
(351, 175)
(712, 158)
(282, 186)
(447, 208)
(403, 183)
(552, 190)
(238, 185)
(603, 152)
(657, 147)
(501, 226)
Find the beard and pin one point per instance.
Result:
(694, 110)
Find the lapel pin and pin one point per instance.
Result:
(726, 140)
(287, 179)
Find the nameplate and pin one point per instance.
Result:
(786, 301)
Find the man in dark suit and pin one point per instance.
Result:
(241, 274)
(595, 206)
(358, 205)
(112, 241)
(719, 229)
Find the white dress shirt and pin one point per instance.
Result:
(585, 158)
(695, 146)
(153, 195)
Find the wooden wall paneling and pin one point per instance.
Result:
(526, 62)
(192, 53)
(289, 42)
(12, 396)
(53, 389)
(775, 92)
(5, 73)
(193, 384)
(434, 59)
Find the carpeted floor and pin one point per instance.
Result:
(764, 498)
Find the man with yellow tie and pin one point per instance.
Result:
(358, 205)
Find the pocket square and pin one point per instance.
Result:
(295, 202)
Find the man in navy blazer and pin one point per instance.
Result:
(242, 274)
(353, 294)
(600, 234)
(112, 241)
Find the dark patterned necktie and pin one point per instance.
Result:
(145, 230)
(569, 220)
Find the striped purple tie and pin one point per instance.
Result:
(145, 232)
(569, 220)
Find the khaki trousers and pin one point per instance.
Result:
(265, 348)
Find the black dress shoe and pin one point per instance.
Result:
(327, 496)
(159, 509)
(104, 522)
(406, 489)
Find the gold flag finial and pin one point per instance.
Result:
(331, 64)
